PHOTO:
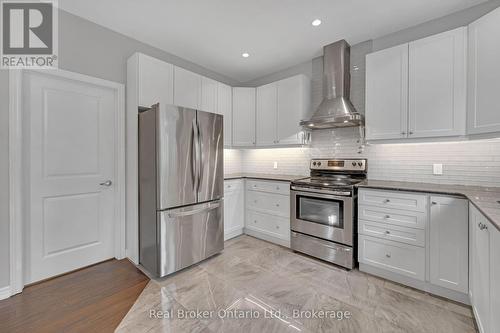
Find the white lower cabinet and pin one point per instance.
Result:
(234, 208)
(268, 210)
(485, 272)
(393, 256)
(449, 250)
(417, 239)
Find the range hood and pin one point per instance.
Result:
(336, 110)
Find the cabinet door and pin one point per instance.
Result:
(208, 95)
(224, 107)
(480, 269)
(449, 243)
(495, 278)
(484, 74)
(234, 215)
(265, 129)
(294, 102)
(244, 117)
(155, 81)
(437, 85)
(187, 88)
(387, 93)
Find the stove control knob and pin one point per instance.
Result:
(319, 163)
(314, 163)
(353, 164)
(360, 164)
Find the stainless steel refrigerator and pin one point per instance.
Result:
(181, 186)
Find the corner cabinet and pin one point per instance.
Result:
(266, 114)
(484, 74)
(485, 271)
(243, 117)
(417, 90)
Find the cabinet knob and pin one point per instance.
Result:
(388, 255)
(387, 232)
(387, 201)
(482, 226)
(411, 132)
(277, 187)
(277, 227)
(254, 221)
(403, 133)
(387, 216)
(434, 203)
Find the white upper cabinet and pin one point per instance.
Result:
(417, 90)
(244, 117)
(387, 93)
(225, 108)
(266, 114)
(484, 74)
(449, 229)
(437, 85)
(154, 80)
(208, 95)
(294, 103)
(187, 88)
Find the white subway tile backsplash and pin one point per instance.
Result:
(475, 162)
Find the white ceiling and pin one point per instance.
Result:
(277, 33)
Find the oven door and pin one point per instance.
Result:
(322, 215)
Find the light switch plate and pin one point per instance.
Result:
(437, 169)
(275, 165)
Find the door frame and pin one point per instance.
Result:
(18, 186)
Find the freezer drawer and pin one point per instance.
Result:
(188, 235)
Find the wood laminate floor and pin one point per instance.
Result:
(94, 299)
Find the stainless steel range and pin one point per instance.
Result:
(323, 208)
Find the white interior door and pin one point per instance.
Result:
(70, 155)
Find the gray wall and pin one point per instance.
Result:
(90, 49)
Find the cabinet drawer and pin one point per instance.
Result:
(391, 232)
(269, 186)
(393, 216)
(270, 203)
(392, 256)
(395, 200)
(233, 185)
(268, 224)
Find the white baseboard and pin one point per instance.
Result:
(266, 237)
(233, 233)
(5, 292)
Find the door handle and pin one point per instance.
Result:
(194, 155)
(173, 215)
(106, 183)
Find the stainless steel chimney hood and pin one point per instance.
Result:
(336, 110)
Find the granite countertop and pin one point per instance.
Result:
(264, 176)
(486, 199)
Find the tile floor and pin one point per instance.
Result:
(276, 290)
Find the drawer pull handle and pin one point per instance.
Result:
(277, 227)
(387, 216)
(388, 255)
(277, 205)
(387, 201)
(387, 232)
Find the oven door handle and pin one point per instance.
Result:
(331, 194)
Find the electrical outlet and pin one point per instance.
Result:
(275, 165)
(437, 169)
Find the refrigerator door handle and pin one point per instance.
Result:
(210, 207)
(201, 162)
(195, 147)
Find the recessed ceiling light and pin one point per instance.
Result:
(316, 22)
(245, 55)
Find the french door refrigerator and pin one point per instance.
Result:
(181, 186)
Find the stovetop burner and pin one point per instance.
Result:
(334, 181)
